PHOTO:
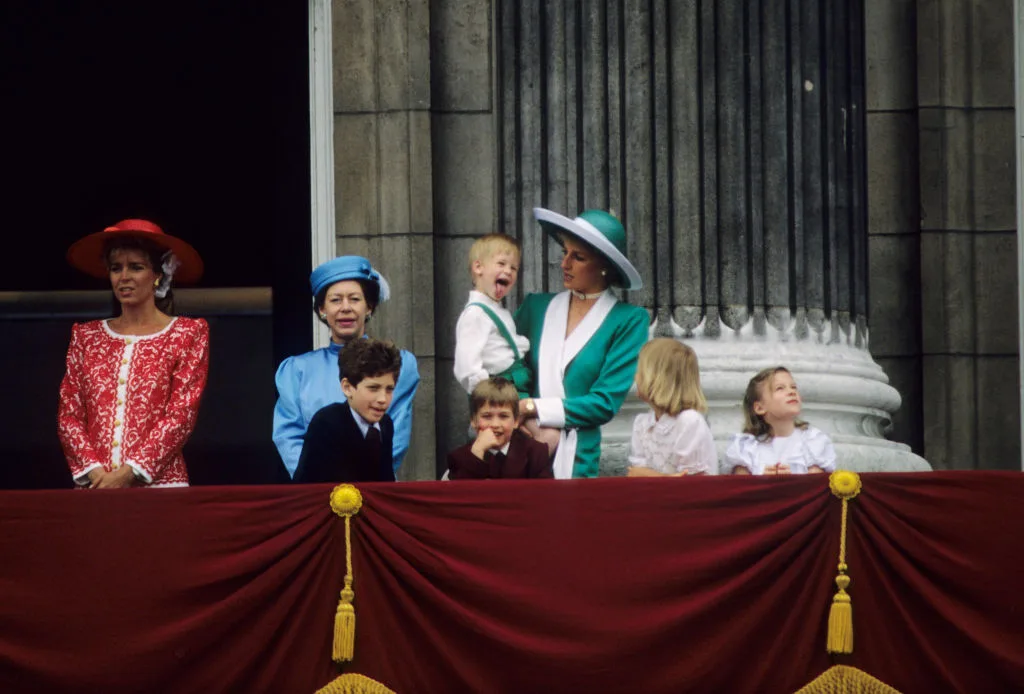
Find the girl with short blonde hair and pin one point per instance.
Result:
(672, 439)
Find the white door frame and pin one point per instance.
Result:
(1018, 89)
(321, 144)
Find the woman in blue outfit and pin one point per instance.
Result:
(346, 291)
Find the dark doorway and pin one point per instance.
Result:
(191, 113)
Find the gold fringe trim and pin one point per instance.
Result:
(353, 683)
(845, 485)
(843, 679)
(346, 502)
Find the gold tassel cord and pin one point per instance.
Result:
(845, 485)
(346, 502)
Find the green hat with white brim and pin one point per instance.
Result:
(599, 229)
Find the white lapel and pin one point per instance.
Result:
(579, 337)
(549, 377)
(555, 353)
(552, 343)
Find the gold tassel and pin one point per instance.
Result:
(840, 619)
(344, 627)
(845, 485)
(346, 502)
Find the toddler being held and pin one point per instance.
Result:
(486, 342)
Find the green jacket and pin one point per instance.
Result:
(597, 378)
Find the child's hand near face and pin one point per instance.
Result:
(486, 439)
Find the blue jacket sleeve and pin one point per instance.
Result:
(289, 426)
(401, 407)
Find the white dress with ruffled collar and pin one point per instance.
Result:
(800, 450)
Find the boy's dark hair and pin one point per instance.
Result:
(495, 391)
(368, 358)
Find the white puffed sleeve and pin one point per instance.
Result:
(742, 451)
(819, 450)
(694, 449)
(637, 457)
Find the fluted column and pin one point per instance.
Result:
(730, 138)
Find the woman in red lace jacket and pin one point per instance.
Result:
(131, 391)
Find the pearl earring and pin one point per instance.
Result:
(323, 316)
(604, 273)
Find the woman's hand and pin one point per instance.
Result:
(120, 478)
(94, 477)
(814, 469)
(527, 409)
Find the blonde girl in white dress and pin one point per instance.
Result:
(672, 439)
(774, 440)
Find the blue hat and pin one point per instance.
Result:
(347, 267)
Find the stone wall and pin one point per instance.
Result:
(942, 244)
(383, 172)
(894, 230)
(465, 180)
(968, 234)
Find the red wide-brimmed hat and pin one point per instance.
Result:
(86, 254)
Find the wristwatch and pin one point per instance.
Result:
(530, 407)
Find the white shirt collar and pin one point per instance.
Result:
(503, 450)
(363, 425)
(476, 297)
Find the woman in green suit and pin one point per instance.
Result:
(585, 341)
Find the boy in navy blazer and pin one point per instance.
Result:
(352, 441)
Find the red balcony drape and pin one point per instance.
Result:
(609, 585)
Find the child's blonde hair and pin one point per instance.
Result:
(496, 392)
(486, 246)
(753, 423)
(667, 377)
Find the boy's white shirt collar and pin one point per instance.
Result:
(477, 296)
(503, 450)
(363, 425)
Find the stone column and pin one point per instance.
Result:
(383, 179)
(730, 138)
